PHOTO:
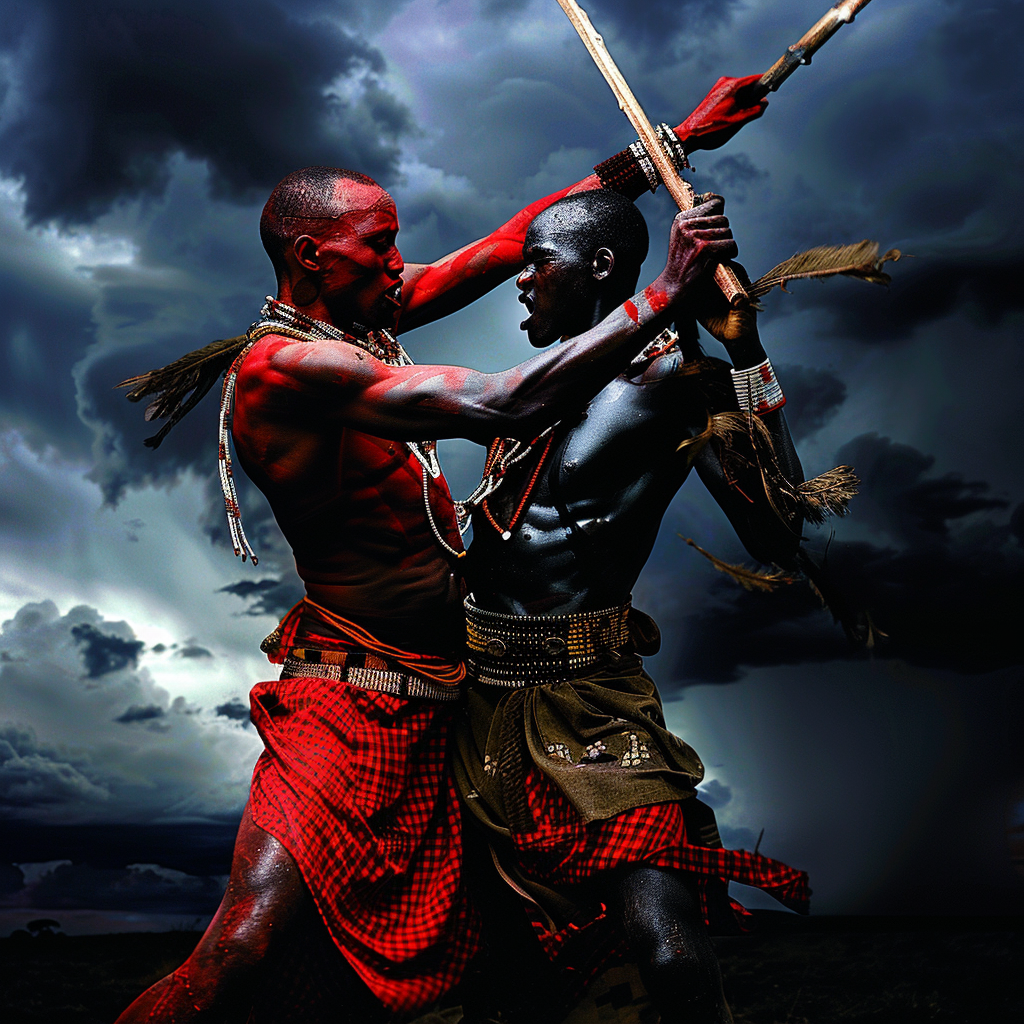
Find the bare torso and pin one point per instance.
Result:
(596, 507)
(351, 506)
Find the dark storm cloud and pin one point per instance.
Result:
(658, 23)
(196, 848)
(122, 461)
(42, 322)
(921, 153)
(948, 595)
(59, 762)
(103, 654)
(1017, 523)
(266, 596)
(234, 710)
(11, 879)
(651, 22)
(926, 290)
(731, 176)
(102, 93)
(141, 713)
(139, 887)
(192, 443)
(896, 495)
(194, 651)
(35, 776)
(813, 397)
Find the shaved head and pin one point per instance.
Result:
(588, 221)
(304, 200)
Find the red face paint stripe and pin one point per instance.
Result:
(657, 299)
(631, 311)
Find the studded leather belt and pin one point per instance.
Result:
(527, 650)
(365, 671)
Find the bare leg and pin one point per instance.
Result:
(265, 897)
(661, 919)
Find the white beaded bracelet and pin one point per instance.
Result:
(757, 389)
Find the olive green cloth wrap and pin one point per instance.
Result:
(600, 738)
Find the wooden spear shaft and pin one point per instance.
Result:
(810, 42)
(680, 190)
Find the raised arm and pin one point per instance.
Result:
(341, 383)
(432, 290)
(768, 526)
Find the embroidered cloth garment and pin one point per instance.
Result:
(354, 783)
(578, 778)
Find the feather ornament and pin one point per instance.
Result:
(828, 494)
(181, 385)
(749, 579)
(720, 425)
(859, 260)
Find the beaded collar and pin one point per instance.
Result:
(381, 344)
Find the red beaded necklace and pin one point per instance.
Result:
(494, 457)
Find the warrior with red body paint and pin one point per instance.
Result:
(353, 817)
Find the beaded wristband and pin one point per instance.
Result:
(757, 389)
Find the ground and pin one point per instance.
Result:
(792, 971)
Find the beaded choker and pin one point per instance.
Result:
(380, 344)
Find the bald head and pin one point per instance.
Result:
(588, 221)
(304, 200)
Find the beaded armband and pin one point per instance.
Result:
(624, 173)
(757, 389)
(633, 172)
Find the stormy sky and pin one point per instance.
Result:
(138, 141)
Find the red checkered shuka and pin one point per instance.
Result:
(562, 849)
(354, 783)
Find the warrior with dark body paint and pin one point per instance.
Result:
(352, 815)
(585, 797)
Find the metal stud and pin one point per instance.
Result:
(554, 645)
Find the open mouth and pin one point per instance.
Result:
(527, 301)
(394, 294)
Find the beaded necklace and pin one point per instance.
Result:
(505, 452)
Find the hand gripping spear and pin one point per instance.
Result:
(681, 191)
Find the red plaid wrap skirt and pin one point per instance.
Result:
(563, 850)
(576, 779)
(355, 784)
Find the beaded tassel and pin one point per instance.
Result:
(239, 542)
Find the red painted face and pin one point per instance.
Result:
(360, 265)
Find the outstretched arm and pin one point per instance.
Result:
(341, 383)
(433, 290)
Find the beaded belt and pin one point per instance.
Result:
(366, 671)
(526, 650)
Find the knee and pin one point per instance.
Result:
(667, 950)
(265, 900)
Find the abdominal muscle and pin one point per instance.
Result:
(362, 543)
